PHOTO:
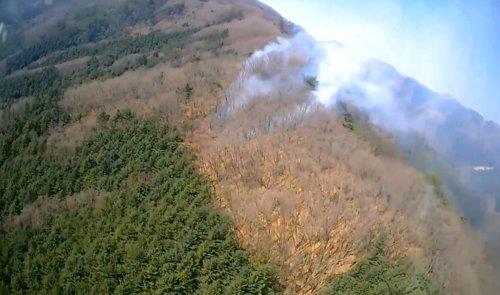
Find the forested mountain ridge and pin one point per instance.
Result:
(120, 175)
(436, 134)
(121, 210)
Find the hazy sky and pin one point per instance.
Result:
(451, 46)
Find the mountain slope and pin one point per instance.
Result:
(142, 221)
(116, 206)
(461, 136)
(303, 186)
(103, 102)
(436, 134)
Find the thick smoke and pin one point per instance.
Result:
(279, 71)
(397, 104)
(423, 122)
(283, 67)
(376, 89)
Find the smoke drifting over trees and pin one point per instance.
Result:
(299, 149)
(273, 93)
(398, 105)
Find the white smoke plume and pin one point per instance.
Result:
(279, 70)
(396, 104)
(376, 89)
(283, 68)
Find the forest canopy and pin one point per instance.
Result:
(155, 228)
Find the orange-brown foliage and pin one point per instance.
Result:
(35, 214)
(313, 199)
(302, 190)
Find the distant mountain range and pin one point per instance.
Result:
(467, 147)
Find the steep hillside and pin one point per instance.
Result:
(156, 147)
(93, 198)
(436, 135)
(304, 185)
(459, 135)
(141, 221)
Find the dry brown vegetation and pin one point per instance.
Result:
(35, 214)
(313, 197)
(13, 110)
(303, 191)
(158, 91)
(67, 67)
